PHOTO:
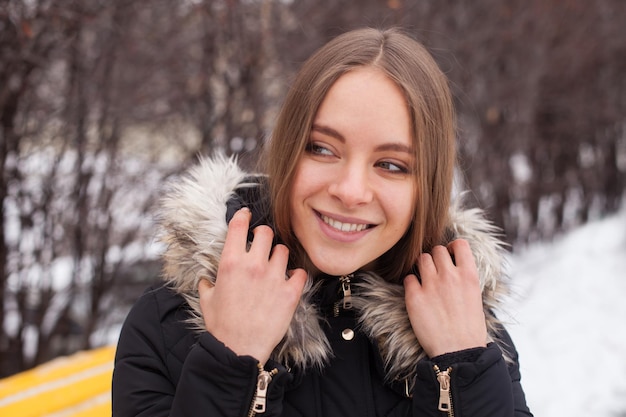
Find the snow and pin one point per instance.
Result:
(569, 313)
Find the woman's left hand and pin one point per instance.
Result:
(446, 309)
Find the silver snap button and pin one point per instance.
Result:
(347, 334)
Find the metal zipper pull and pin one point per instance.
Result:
(260, 396)
(347, 291)
(445, 395)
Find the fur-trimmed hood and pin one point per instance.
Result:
(193, 226)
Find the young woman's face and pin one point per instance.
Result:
(353, 194)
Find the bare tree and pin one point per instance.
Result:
(63, 182)
(539, 99)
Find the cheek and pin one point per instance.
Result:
(409, 212)
(406, 218)
(297, 186)
(308, 179)
(302, 187)
(402, 208)
(404, 215)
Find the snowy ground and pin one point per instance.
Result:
(570, 314)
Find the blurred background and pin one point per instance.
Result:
(102, 101)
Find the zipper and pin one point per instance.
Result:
(346, 302)
(445, 393)
(347, 291)
(260, 395)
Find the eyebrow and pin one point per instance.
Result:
(391, 146)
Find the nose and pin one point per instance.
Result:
(351, 186)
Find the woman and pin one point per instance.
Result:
(341, 283)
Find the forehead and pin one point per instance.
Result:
(363, 101)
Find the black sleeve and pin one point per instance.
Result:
(485, 387)
(151, 379)
(519, 398)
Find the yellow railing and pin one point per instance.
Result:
(76, 385)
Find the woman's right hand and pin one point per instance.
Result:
(252, 303)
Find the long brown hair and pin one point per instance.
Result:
(428, 98)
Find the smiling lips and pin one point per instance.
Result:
(344, 227)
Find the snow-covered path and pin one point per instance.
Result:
(570, 321)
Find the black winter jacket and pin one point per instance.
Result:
(359, 361)
(163, 368)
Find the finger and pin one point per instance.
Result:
(237, 236)
(426, 266)
(279, 257)
(262, 241)
(462, 252)
(297, 279)
(442, 258)
(411, 285)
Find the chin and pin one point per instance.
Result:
(347, 264)
(335, 270)
(338, 271)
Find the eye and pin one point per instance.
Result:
(317, 149)
(393, 167)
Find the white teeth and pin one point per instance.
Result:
(344, 227)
